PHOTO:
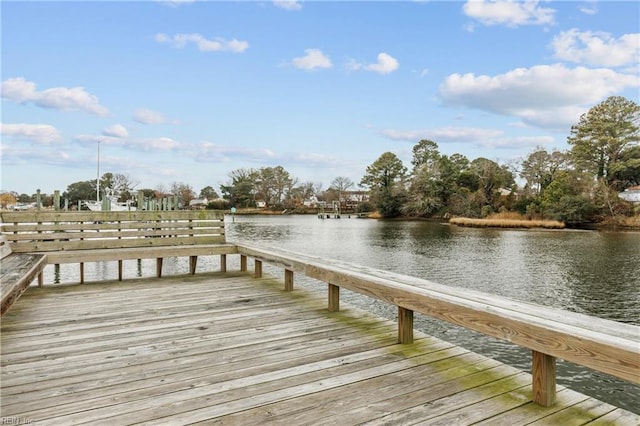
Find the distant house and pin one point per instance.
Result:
(353, 198)
(310, 202)
(506, 192)
(261, 204)
(631, 194)
(198, 203)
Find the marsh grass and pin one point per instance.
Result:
(631, 222)
(506, 220)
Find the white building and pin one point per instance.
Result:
(631, 194)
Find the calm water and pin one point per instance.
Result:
(595, 273)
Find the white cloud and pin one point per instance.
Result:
(91, 140)
(540, 95)
(288, 4)
(174, 3)
(18, 90)
(443, 134)
(486, 138)
(60, 98)
(159, 144)
(597, 48)
(147, 116)
(117, 131)
(142, 144)
(313, 59)
(218, 44)
(39, 133)
(508, 12)
(315, 160)
(590, 8)
(28, 155)
(209, 151)
(386, 64)
(517, 142)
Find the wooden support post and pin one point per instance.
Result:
(543, 370)
(159, 267)
(334, 298)
(193, 260)
(119, 270)
(81, 272)
(257, 268)
(56, 200)
(288, 280)
(243, 263)
(405, 325)
(223, 263)
(40, 279)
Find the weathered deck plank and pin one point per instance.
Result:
(226, 348)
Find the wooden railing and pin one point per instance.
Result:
(79, 237)
(606, 346)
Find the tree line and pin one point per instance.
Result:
(578, 185)
(575, 186)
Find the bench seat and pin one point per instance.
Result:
(158, 253)
(17, 271)
(98, 255)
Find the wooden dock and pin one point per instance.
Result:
(229, 348)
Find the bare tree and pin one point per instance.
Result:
(184, 191)
(124, 184)
(341, 184)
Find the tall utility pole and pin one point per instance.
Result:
(98, 176)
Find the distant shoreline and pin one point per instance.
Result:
(627, 224)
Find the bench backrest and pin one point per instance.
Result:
(42, 231)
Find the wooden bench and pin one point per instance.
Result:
(79, 237)
(606, 346)
(17, 271)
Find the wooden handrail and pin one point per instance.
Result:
(603, 345)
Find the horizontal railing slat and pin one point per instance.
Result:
(124, 225)
(113, 243)
(98, 255)
(129, 233)
(48, 216)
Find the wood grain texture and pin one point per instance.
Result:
(227, 348)
(543, 370)
(405, 325)
(17, 271)
(333, 292)
(5, 249)
(288, 280)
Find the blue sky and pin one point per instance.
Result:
(188, 91)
